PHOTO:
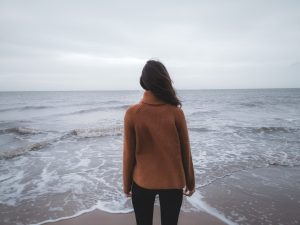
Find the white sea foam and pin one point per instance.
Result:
(65, 217)
(197, 202)
(114, 206)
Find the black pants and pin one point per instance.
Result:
(143, 203)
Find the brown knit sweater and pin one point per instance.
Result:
(156, 147)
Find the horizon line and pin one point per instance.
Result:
(183, 89)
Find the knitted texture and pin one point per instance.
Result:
(156, 146)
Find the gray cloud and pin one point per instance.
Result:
(71, 45)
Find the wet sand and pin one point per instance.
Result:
(266, 196)
(98, 217)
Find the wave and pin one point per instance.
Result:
(208, 112)
(91, 103)
(112, 102)
(20, 131)
(253, 104)
(86, 111)
(202, 129)
(25, 108)
(23, 150)
(96, 109)
(268, 130)
(97, 132)
(273, 163)
(120, 107)
(80, 133)
(285, 160)
(275, 129)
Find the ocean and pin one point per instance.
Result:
(61, 153)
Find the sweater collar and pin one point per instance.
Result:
(150, 98)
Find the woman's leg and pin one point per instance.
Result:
(143, 204)
(170, 204)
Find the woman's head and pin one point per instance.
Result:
(155, 78)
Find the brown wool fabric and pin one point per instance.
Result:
(156, 147)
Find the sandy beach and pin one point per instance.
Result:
(98, 217)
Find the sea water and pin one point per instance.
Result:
(61, 152)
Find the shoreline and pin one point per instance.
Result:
(244, 197)
(98, 217)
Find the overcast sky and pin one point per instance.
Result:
(101, 45)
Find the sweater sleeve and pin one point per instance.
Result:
(128, 152)
(185, 150)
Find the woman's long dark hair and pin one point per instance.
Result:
(156, 79)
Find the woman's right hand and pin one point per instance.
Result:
(129, 194)
(188, 192)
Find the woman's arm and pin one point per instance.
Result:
(185, 150)
(128, 152)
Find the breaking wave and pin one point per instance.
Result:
(23, 150)
(96, 109)
(77, 133)
(97, 132)
(20, 131)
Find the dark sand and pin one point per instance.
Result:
(265, 196)
(98, 217)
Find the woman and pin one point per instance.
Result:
(156, 149)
